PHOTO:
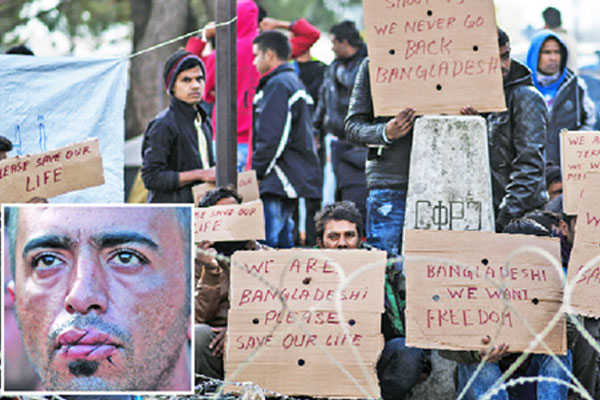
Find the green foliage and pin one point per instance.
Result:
(71, 17)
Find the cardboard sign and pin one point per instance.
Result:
(456, 283)
(285, 328)
(232, 222)
(586, 295)
(247, 186)
(434, 56)
(580, 153)
(51, 173)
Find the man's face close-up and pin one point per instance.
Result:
(101, 297)
(340, 234)
(550, 58)
(189, 85)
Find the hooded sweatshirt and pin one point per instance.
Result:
(548, 91)
(247, 75)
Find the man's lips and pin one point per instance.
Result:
(87, 344)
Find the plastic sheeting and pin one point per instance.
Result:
(51, 102)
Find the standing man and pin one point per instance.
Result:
(569, 106)
(334, 96)
(176, 150)
(284, 155)
(400, 368)
(516, 140)
(553, 22)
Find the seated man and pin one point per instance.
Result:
(497, 359)
(340, 226)
(212, 290)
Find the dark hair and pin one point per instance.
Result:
(211, 197)
(552, 17)
(20, 49)
(526, 226)
(262, 13)
(503, 39)
(5, 144)
(546, 218)
(342, 210)
(552, 174)
(346, 30)
(275, 41)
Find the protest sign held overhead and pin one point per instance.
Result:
(585, 254)
(51, 102)
(52, 173)
(247, 187)
(433, 56)
(580, 154)
(464, 286)
(289, 348)
(230, 222)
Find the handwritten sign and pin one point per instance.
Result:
(51, 173)
(439, 56)
(450, 306)
(290, 349)
(580, 153)
(247, 186)
(232, 222)
(586, 247)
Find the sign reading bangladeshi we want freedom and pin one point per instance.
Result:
(51, 173)
(291, 348)
(435, 56)
(586, 251)
(464, 286)
(580, 154)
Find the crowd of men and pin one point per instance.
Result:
(310, 133)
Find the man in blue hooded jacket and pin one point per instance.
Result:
(569, 106)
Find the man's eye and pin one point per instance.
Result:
(45, 261)
(128, 258)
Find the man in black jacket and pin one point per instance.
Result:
(177, 147)
(347, 159)
(516, 140)
(284, 154)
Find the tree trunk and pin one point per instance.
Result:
(155, 21)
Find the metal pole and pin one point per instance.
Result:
(226, 96)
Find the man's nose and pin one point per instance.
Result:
(88, 291)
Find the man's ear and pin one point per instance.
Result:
(10, 287)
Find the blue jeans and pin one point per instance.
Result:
(541, 365)
(279, 222)
(399, 369)
(385, 219)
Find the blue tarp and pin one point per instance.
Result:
(51, 102)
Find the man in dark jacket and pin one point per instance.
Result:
(569, 106)
(284, 155)
(176, 150)
(334, 96)
(516, 140)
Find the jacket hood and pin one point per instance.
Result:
(533, 56)
(247, 18)
(519, 74)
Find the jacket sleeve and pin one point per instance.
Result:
(360, 125)
(158, 142)
(270, 136)
(525, 191)
(195, 45)
(319, 115)
(305, 35)
(588, 109)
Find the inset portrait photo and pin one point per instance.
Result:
(101, 296)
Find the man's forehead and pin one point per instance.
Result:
(340, 225)
(551, 42)
(190, 72)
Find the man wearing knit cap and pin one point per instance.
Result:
(176, 150)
